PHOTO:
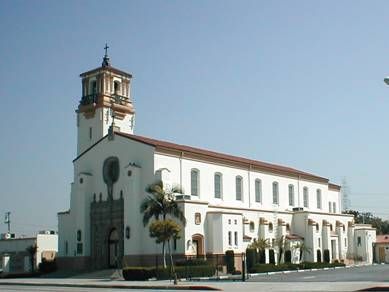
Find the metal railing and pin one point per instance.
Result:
(92, 98)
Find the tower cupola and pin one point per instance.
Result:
(106, 95)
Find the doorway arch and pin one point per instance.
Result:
(198, 244)
(113, 248)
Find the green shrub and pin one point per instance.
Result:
(138, 273)
(251, 257)
(46, 266)
(230, 261)
(309, 265)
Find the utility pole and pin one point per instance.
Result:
(7, 220)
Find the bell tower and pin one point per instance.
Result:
(106, 102)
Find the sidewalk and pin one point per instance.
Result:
(210, 286)
(105, 283)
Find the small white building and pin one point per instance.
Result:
(14, 257)
(381, 249)
(229, 201)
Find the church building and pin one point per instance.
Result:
(228, 203)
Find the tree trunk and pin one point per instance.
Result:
(164, 254)
(173, 272)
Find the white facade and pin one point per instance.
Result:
(229, 201)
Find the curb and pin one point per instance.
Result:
(146, 287)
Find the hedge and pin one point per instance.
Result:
(265, 268)
(192, 262)
(145, 273)
(138, 273)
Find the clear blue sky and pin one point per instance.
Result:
(295, 83)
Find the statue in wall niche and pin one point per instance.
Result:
(111, 172)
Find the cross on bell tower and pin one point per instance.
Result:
(106, 61)
(106, 102)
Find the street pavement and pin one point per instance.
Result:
(343, 279)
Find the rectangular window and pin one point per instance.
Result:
(236, 238)
(345, 242)
(318, 241)
(194, 182)
(229, 238)
(318, 198)
(239, 188)
(175, 244)
(90, 133)
(275, 193)
(291, 195)
(334, 207)
(218, 185)
(359, 241)
(258, 191)
(306, 197)
(329, 207)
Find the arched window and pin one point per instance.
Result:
(305, 197)
(239, 188)
(275, 193)
(317, 227)
(270, 227)
(291, 195)
(93, 87)
(318, 198)
(258, 191)
(287, 227)
(116, 87)
(79, 235)
(194, 182)
(218, 185)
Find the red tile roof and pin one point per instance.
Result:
(206, 153)
(382, 238)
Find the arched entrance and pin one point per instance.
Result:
(318, 256)
(113, 248)
(198, 244)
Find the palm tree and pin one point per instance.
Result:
(160, 203)
(165, 231)
(280, 243)
(260, 245)
(303, 249)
